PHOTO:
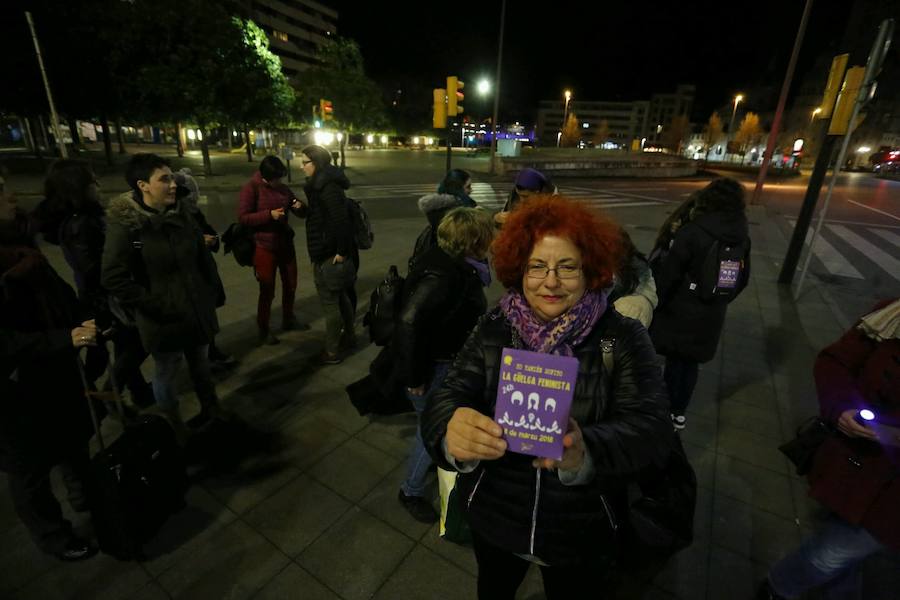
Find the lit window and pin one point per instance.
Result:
(280, 35)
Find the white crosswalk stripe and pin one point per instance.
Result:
(833, 261)
(879, 249)
(881, 258)
(494, 197)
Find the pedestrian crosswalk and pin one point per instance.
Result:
(493, 197)
(851, 249)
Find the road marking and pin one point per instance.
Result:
(887, 235)
(833, 261)
(887, 214)
(873, 252)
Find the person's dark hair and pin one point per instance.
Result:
(271, 168)
(454, 183)
(141, 167)
(66, 192)
(630, 267)
(318, 155)
(679, 217)
(721, 195)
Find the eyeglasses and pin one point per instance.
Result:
(305, 162)
(562, 271)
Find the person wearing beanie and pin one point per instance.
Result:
(528, 182)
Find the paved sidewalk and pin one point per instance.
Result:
(306, 506)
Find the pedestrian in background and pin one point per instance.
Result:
(529, 182)
(854, 473)
(44, 418)
(686, 326)
(265, 203)
(453, 191)
(334, 256)
(72, 217)
(443, 298)
(156, 263)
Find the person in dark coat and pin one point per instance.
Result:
(453, 191)
(334, 256)
(855, 473)
(528, 182)
(685, 327)
(71, 216)
(556, 257)
(44, 419)
(443, 298)
(155, 262)
(265, 205)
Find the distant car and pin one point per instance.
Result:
(885, 160)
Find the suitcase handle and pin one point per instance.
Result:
(89, 395)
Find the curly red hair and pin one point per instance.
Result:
(596, 236)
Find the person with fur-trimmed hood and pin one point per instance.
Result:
(155, 262)
(453, 192)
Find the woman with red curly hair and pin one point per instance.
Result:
(556, 258)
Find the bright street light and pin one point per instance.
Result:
(384, 139)
(815, 112)
(737, 100)
(370, 138)
(484, 87)
(568, 96)
(416, 141)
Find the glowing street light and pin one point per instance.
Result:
(567, 94)
(384, 139)
(815, 112)
(484, 87)
(370, 138)
(737, 100)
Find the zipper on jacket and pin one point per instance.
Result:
(534, 511)
(474, 489)
(609, 514)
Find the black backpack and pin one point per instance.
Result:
(239, 241)
(363, 235)
(385, 303)
(722, 272)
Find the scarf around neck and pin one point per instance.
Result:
(562, 334)
(884, 323)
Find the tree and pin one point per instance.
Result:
(749, 133)
(571, 133)
(601, 134)
(712, 132)
(340, 77)
(675, 132)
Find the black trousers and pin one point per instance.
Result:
(680, 376)
(38, 508)
(500, 573)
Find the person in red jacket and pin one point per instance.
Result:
(856, 474)
(264, 205)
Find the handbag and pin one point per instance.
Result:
(802, 449)
(662, 499)
(453, 527)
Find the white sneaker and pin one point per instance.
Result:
(678, 422)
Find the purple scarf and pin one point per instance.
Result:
(563, 333)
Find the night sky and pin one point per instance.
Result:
(601, 50)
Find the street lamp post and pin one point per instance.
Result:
(737, 100)
(568, 96)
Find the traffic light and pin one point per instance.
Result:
(455, 96)
(840, 120)
(326, 110)
(439, 120)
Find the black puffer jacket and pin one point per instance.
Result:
(443, 299)
(527, 511)
(329, 230)
(683, 324)
(158, 265)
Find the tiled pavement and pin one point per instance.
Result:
(304, 504)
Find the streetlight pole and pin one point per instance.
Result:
(494, 128)
(737, 100)
(61, 144)
(568, 96)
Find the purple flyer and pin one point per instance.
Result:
(533, 401)
(729, 271)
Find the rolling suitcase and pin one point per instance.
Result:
(137, 482)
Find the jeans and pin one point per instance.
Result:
(167, 364)
(265, 262)
(680, 376)
(419, 461)
(833, 555)
(336, 304)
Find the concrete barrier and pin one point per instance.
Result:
(599, 166)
